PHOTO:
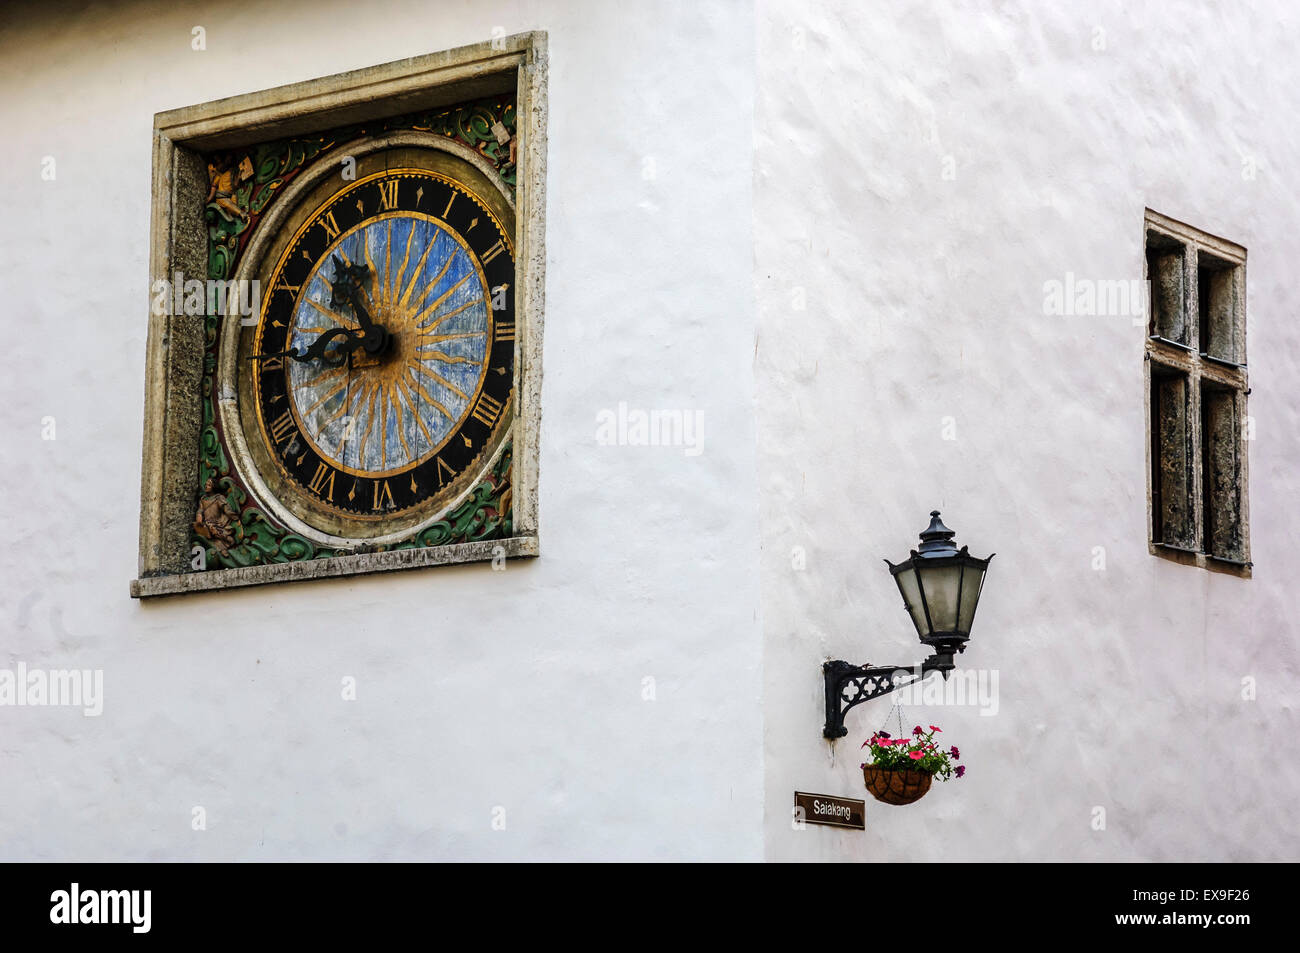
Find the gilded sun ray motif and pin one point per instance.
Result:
(331, 393)
(439, 379)
(420, 318)
(443, 357)
(419, 270)
(406, 258)
(388, 261)
(329, 374)
(427, 326)
(337, 318)
(368, 420)
(394, 412)
(433, 338)
(419, 387)
(414, 408)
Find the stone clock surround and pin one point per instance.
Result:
(178, 242)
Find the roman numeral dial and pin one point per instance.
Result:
(423, 256)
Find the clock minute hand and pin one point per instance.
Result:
(346, 290)
(293, 352)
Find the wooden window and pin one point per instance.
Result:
(1166, 272)
(1221, 478)
(1196, 393)
(1172, 482)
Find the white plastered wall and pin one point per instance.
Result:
(921, 171)
(524, 690)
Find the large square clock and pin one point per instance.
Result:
(345, 330)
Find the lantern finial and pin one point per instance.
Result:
(937, 538)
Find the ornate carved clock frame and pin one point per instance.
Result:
(243, 187)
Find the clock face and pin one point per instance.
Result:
(381, 368)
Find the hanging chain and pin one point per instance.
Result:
(897, 710)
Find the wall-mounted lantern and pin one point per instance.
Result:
(941, 587)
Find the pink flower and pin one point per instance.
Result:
(954, 752)
(933, 728)
(917, 756)
(916, 730)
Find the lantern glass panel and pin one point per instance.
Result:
(972, 579)
(907, 585)
(940, 585)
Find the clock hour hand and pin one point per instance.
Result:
(319, 349)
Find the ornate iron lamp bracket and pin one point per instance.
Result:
(848, 685)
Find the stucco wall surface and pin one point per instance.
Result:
(483, 699)
(920, 172)
(826, 228)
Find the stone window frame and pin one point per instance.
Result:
(1173, 350)
(178, 242)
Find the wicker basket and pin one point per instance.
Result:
(896, 787)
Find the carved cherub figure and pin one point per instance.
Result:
(216, 519)
(225, 182)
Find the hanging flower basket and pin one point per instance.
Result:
(902, 769)
(896, 787)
